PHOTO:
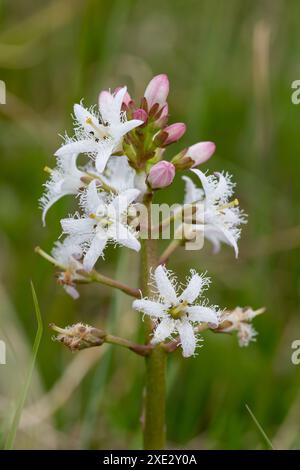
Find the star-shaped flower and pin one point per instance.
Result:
(105, 220)
(175, 313)
(219, 217)
(99, 134)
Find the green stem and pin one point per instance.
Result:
(154, 411)
(92, 276)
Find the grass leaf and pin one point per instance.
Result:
(22, 399)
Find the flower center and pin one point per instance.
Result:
(178, 310)
(102, 219)
(99, 131)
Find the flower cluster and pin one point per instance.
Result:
(122, 145)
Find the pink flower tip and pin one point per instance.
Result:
(140, 114)
(175, 132)
(161, 174)
(201, 152)
(126, 99)
(157, 90)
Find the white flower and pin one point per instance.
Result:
(67, 256)
(99, 134)
(177, 314)
(219, 217)
(65, 179)
(105, 220)
(239, 320)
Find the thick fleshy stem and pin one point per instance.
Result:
(154, 406)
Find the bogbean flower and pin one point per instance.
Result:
(99, 134)
(64, 179)
(104, 220)
(220, 218)
(175, 313)
(239, 320)
(67, 256)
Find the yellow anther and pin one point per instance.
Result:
(48, 170)
(100, 130)
(233, 203)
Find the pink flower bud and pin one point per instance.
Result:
(201, 152)
(140, 114)
(175, 132)
(157, 90)
(161, 174)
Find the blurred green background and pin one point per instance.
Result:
(231, 64)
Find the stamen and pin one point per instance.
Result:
(233, 203)
(48, 170)
(101, 133)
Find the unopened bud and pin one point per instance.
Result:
(201, 152)
(140, 114)
(161, 174)
(174, 132)
(194, 155)
(157, 91)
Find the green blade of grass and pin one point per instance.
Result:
(20, 405)
(260, 428)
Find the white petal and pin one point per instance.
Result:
(123, 235)
(163, 330)
(119, 173)
(91, 199)
(231, 240)
(207, 186)
(164, 285)
(192, 193)
(95, 251)
(121, 202)
(104, 151)
(194, 287)
(200, 314)
(83, 226)
(106, 103)
(47, 202)
(149, 307)
(187, 338)
(118, 99)
(224, 188)
(125, 127)
(72, 291)
(82, 115)
(79, 146)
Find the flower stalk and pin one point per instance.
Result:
(154, 405)
(92, 276)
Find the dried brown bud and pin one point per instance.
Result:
(79, 336)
